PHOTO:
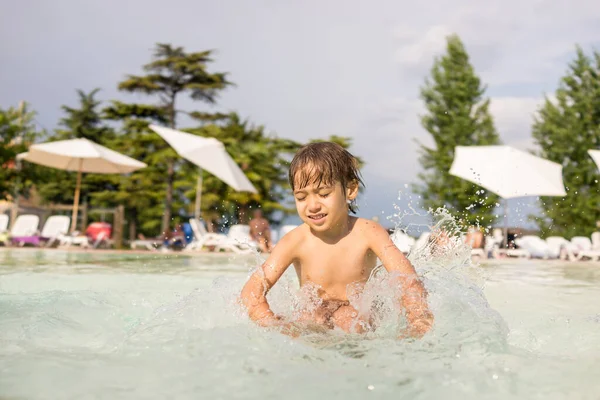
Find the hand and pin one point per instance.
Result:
(418, 327)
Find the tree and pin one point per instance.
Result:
(565, 129)
(17, 132)
(263, 158)
(141, 192)
(457, 114)
(172, 72)
(82, 122)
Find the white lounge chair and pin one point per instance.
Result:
(536, 246)
(202, 237)
(559, 247)
(54, 228)
(513, 253)
(238, 240)
(74, 238)
(596, 241)
(24, 229)
(148, 244)
(585, 249)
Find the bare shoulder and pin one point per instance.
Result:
(294, 237)
(369, 227)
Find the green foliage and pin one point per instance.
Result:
(565, 129)
(168, 182)
(174, 71)
(264, 160)
(17, 132)
(457, 114)
(143, 191)
(82, 122)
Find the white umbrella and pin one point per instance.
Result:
(80, 155)
(595, 154)
(508, 172)
(208, 154)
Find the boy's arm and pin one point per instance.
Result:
(254, 293)
(414, 295)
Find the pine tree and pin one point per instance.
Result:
(457, 115)
(84, 122)
(565, 129)
(172, 72)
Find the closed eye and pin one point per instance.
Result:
(324, 195)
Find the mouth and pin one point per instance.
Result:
(317, 217)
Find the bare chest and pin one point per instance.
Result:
(333, 267)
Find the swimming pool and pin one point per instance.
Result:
(111, 326)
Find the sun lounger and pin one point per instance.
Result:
(580, 248)
(238, 240)
(559, 247)
(513, 253)
(585, 249)
(24, 230)
(148, 244)
(596, 241)
(536, 246)
(158, 243)
(203, 238)
(74, 239)
(54, 228)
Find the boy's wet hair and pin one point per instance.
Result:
(324, 163)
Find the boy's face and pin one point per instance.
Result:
(325, 206)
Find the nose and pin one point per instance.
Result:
(313, 204)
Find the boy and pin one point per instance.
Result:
(332, 249)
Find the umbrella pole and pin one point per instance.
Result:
(198, 195)
(506, 223)
(76, 200)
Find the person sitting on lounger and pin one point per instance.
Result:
(260, 231)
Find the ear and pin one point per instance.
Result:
(352, 190)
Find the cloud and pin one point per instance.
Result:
(305, 69)
(509, 41)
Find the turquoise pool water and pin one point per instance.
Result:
(120, 326)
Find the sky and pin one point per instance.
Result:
(307, 69)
